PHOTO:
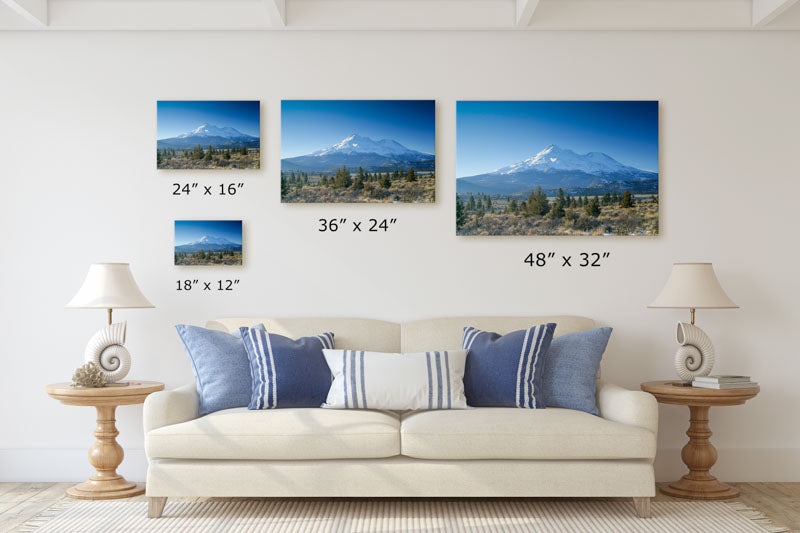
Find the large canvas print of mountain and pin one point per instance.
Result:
(557, 168)
(195, 134)
(208, 242)
(358, 151)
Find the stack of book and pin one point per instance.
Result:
(723, 382)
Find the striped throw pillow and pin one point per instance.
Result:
(286, 372)
(506, 370)
(396, 381)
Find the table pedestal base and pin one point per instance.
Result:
(106, 490)
(105, 456)
(709, 489)
(699, 455)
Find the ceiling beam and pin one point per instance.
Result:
(34, 11)
(525, 9)
(277, 9)
(765, 11)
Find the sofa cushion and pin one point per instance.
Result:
(280, 434)
(509, 433)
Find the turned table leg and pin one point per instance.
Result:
(105, 455)
(699, 455)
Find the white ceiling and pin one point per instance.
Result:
(399, 14)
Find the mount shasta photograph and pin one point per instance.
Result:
(557, 168)
(208, 242)
(358, 151)
(195, 134)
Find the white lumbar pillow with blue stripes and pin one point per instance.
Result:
(396, 381)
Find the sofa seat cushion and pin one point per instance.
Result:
(509, 433)
(280, 434)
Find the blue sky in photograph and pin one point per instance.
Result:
(179, 116)
(311, 125)
(491, 135)
(187, 231)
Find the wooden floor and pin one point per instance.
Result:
(21, 501)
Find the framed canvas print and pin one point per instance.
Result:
(557, 168)
(208, 134)
(358, 151)
(208, 242)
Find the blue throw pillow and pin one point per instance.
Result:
(506, 371)
(571, 369)
(220, 365)
(286, 372)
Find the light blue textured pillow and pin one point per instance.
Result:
(570, 370)
(220, 365)
(286, 372)
(506, 371)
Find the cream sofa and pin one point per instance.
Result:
(481, 452)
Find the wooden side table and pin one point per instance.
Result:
(106, 454)
(698, 454)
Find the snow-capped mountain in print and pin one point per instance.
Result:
(210, 243)
(556, 167)
(359, 151)
(211, 135)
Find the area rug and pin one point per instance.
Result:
(565, 516)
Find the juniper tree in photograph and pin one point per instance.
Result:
(538, 205)
(592, 207)
(557, 210)
(627, 200)
(342, 178)
(461, 216)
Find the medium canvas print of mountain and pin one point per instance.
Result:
(358, 151)
(210, 134)
(208, 242)
(557, 168)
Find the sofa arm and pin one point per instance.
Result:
(169, 407)
(635, 408)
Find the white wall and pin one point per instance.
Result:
(77, 129)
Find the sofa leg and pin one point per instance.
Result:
(155, 506)
(642, 506)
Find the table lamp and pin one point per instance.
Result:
(109, 286)
(693, 286)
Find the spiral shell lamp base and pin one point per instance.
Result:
(106, 349)
(695, 357)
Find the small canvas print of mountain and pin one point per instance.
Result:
(208, 242)
(198, 134)
(557, 168)
(358, 151)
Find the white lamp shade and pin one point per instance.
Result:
(109, 286)
(693, 285)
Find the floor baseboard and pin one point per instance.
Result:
(738, 464)
(62, 464)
